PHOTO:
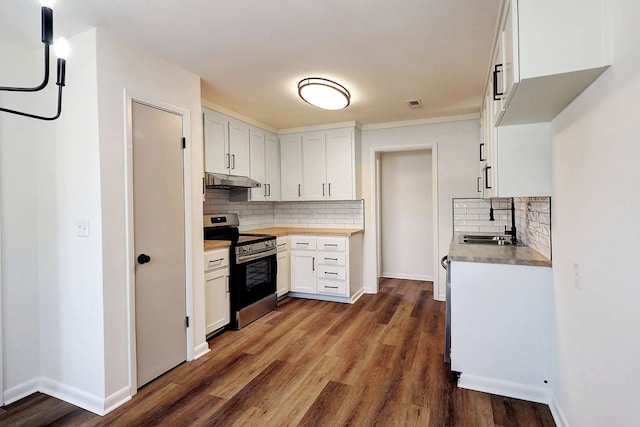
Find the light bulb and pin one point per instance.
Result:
(47, 3)
(62, 48)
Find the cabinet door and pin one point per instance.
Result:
(340, 173)
(282, 279)
(509, 50)
(303, 271)
(272, 167)
(216, 293)
(314, 166)
(216, 138)
(291, 168)
(239, 148)
(257, 163)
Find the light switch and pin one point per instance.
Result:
(82, 227)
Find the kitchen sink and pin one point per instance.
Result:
(483, 239)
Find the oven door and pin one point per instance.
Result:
(256, 279)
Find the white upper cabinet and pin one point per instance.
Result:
(291, 167)
(548, 53)
(328, 160)
(216, 142)
(226, 144)
(265, 165)
(340, 173)
(319, 165)
(314, 160)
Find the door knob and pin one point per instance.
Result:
(143, 258)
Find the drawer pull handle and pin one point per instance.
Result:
(302, 243)
(283, 244)
(331, 287)
(331, 259)
(330, 272)
(331, 244)
(215, 260)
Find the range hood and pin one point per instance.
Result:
(228, 182)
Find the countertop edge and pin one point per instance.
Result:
(509, 255)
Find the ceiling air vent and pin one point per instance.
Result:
(414, 103)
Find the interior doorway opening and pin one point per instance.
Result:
(406, 203)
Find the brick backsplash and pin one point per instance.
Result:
(322, 214)
(533, 219)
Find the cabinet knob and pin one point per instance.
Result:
(143, 258)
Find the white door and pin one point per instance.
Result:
(159, 241)
(303, 271)
(257, 164)
(239, 148)
(272, 162)
(216, 143)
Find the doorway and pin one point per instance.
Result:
(158, 207)
(427, 250)
(406, 215)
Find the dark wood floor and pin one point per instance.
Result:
(311, 363)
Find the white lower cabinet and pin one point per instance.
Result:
(502, 328)
(282, 244)
(326, 267)
(216, 289)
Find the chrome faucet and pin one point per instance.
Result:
(511, 232)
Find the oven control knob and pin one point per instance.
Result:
(246, 248)
(268, 243)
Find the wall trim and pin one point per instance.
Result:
(556, 412)
(116, 400)
(235, 115)
(419, 122)
(313, 128)
(505, 388)
(72, 395)
(20, 391)
(420, 277)
(201, 350)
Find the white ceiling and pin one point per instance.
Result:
(252, 53)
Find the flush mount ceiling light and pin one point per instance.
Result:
(62, 50)
(324, 93)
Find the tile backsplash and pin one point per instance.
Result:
(322, 214)
(533, 219)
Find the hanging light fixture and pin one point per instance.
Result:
(62, 50)
(324, 93)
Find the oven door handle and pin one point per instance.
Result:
(242, 259)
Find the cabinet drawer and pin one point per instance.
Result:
(302, 242)
(330, 272)
(282, 244)
(216, 259)
(337, 287)
(331, 258)
(332, 244)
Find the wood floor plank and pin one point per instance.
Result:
(376, 362)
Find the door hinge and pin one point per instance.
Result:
(184, 142)
(186, 321)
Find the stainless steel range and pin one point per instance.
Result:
(253, 270)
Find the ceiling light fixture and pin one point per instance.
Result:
(324, 93)
(62, 50)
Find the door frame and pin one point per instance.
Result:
(129, 98)
(375, 160)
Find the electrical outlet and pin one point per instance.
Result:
(576, 276)
(82, 227)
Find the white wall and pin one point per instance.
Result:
(596, 206)
(73, 289)
(19, 319)
(406, 210)
(457, 146)
(121, 67)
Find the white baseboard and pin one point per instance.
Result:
(21, 391)
(330, 298)
(556, 412)
(505, 388)
(201, 350)
(73, 395)
(422, 277)
(117, 399)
